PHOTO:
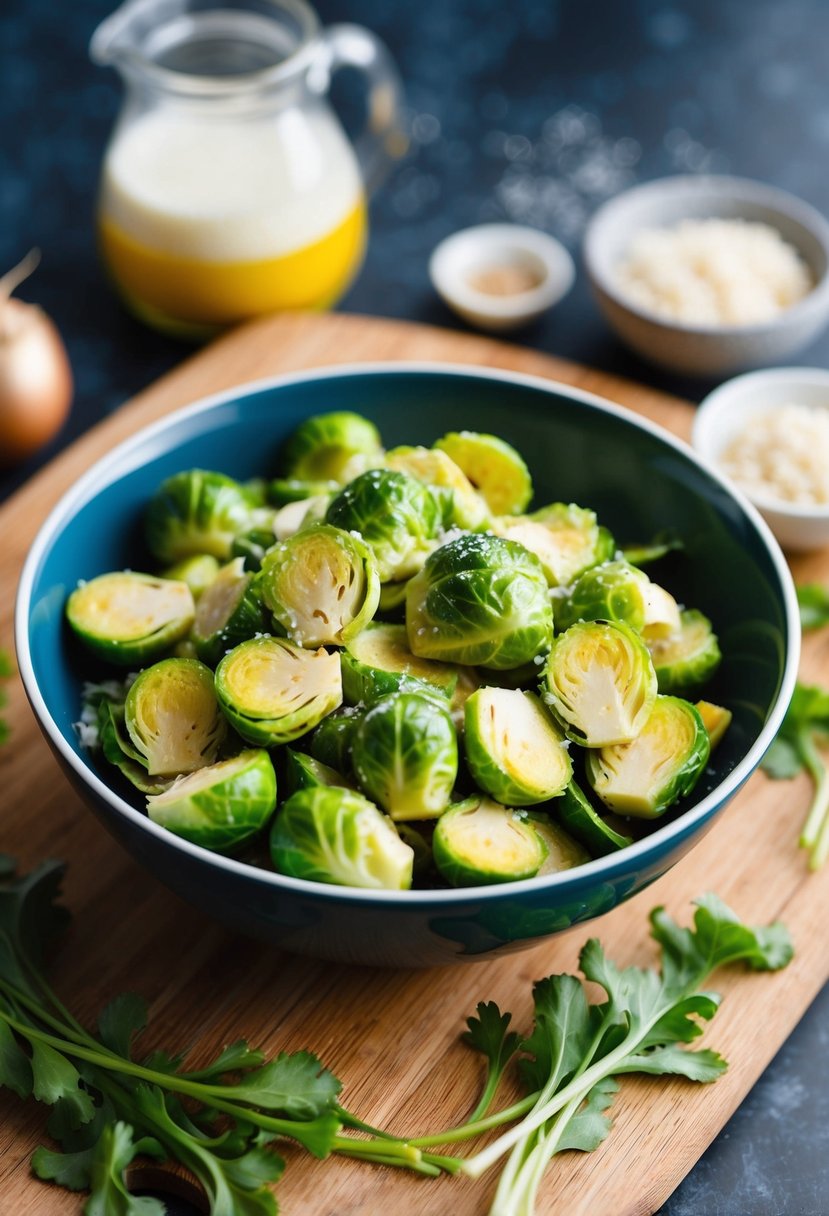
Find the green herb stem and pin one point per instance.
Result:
(466, 1131)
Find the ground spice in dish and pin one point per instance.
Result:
(504, 279)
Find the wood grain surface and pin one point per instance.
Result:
(392, 1036)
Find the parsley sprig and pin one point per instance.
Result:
(108, 1107)
(798, 748)
(223, 1120)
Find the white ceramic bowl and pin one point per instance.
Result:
(696, 349)
(726, 411)
(457, 260)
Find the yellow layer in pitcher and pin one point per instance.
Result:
(191, 293)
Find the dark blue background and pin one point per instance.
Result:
(529, 110)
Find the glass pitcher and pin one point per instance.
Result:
(229, 188)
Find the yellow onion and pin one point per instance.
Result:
(35, 376)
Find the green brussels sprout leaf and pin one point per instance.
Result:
(197, 512)
(334, 835)
(378, 661)
(479, 599)
(331, 447)
(397, 516)
(685, 659)
(219, 806)
(584, 822)
(493, 467)
(229, 612)
(405, 755)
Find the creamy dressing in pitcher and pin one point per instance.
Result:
(204, 223)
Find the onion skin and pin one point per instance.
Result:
(35, 380)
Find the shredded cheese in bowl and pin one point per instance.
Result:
(713, 272)
(782, 454)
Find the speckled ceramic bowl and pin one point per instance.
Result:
(696, 349)
(579, 448)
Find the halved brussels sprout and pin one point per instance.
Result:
(331, 741)
(600, 683)
(479, 841)
(127, 618)
(416, 839)
(172, 717)
(563, 852)
(272, 691)
(228, 613)
(662, 764)
(397, 516)
(304, 772)
(687, 658)
(252, 547)
(331, 447)
(435, 468)
(378, 661)
(117, 748)
(295, 516)
(716, 720)
(479, 600)
(334, 835)
(321, 585)
(405, 755)
(198, 512)
(514, 750)
(283, 490)
(662, 615)
(493, 467)
(565, 538)
(219, 806)
(197, 572)
(583, 821)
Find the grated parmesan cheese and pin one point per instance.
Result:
(713, 272)
(783, 454)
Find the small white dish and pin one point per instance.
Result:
(472, 270)
(700, 350)
(726, 411)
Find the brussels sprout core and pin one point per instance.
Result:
(333, 835)
(272, 691)
(321, 585)
(479, 841)
(645, 777)
(172, 716)
(221, 805)
(600, 682)
(128, 618)
(514, 750)
(479, 600)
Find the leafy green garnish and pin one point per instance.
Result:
(577, 1049)
(221, 1121)
(651, 551)
(813, 599)
(804, 730)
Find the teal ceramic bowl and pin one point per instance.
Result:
(579, 448)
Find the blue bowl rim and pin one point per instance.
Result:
(600, 869)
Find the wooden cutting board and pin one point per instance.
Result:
(392, 1036)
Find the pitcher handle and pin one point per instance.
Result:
(383, 139)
